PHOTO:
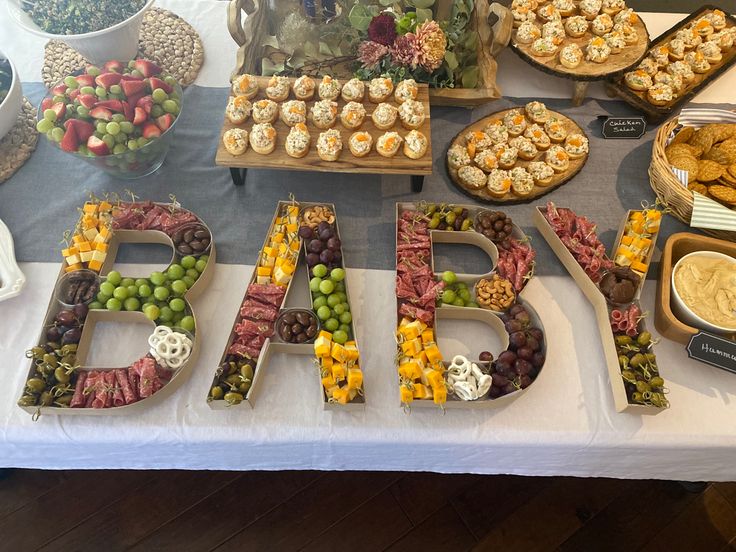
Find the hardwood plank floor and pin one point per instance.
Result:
(356, 511)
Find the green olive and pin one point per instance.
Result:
(656, 381)
(465, 225)
(638, 359)
(70, 359)
(68, 349)
(244, 387)
(233, 379)
(623, 361)
(449, 229)
(233, 398)
(644, 339)
(64, 400)
(247, 371)
(36, 353)
(27, 400)
(651, 358)
(642, 387)
(629, 376)
(623, 340)
(50, 359)
(637, 397)
(46, 399)
(450, 217)
(55, 345)
(431, 208)
(232, 368)
(434, 222)
(61, 375)
(216, 393)
(36, 385)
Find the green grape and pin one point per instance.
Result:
(101, 93)
(463, 294)
(175, 272)
(170, 106)
(326, 286)
(339, 308)
(119, 148)
(115, 89)
(101, 127)
(109, 140)
(140, 282)
(50, 115)
(333, 300)
(314, 284)
(449, 277)
(108, 288)
(179, 287)
(127, 282)
(323, 313)
(343, 296)
(340, 286)
(320, 301)
(188, 262)
(118, 117)
(200, 265)
(166, 314)
(448, 296)
(132, 145)
(112, 128)
(189, 281)
(177, 304)
(346, 318)
(192, 273)
(161, 293)
(204, 258)
(132, 290)
(121, 293)
(159, 95)
(331, 324)
(151, 311)
(113, 304)
(187, 323)
(95, 305)
(157, 111)
(82, 111)
(337, 274)
(87, 90)
(142, 141)
(127, 127)
(103, 297)
(344, 328)
(94, 71)
(57, 134)
(458, 302)
(132, 304)
(44, 126)
(340, 337)
(319, 270)
(157, 278)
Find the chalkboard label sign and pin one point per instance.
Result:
(624, 127)
(713, 350)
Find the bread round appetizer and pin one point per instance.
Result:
(539, 138)
(541, 172)
(557, 158)
(245, 85)
(630, 35)
(697, 62)
(406, 90)
(724, 39)
(263, 138)
(238, 109)
(711, 51)
(380, 89)
(527, 33)
(497, 132)
(676, 48)
(649, 66)
(457, 156)
(548, 13)
(412, 115)
(661, 55)
(683, 69)
(544, 47)
(690, 37)
(590, 8)
(522, 183)
(717, 19)
(477, 140)
(531, 4)
(329, 88)
(612, 7)
(615, 42)
(486, 160)
(265, 111)
(324, 114)
(506, 155)
(353, 90)
(537, 112)
(555, 130)
(571, 56)
(360, 144)
(278, 88)
(298, 141)
(565, 7)
(499, 183)
(602, 24)
(626, 17)
(672, 80)
(471, 177)
(525, 148)
(638, 80)
(384, 116)
(235, 141)
(660, 94)
(329, 145)
(515, 122)
(293, 112)
(703, 27)
(415, 144)
(598, 51)
(304, 88)
(576, 146)
(523, 14)
(576, 26)
(388, 144)
(352, 115)
(554, 30)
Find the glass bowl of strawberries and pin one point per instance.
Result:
(119, 118)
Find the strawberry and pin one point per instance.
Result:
(46, 104)
(133, 100)
(129, 77)
(97, 146)
(59, 89)
(70, 141)
(140, 116)
(82, 129)
(147, 68)
(106, 80)
(128, 111)
(165, 121)
(158, 83)
(60, 110)
(132, 87)
(113, 66)
(113, 105)
(73, 94)
(101, 113)
(87, 100)
(85, 80)
(146, 102)
(150, 130)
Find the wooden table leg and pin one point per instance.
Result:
(238, 176)
(417, 183)
(579, 92)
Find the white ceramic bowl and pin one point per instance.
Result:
(10, 107)
(117, 42)
(682, 311)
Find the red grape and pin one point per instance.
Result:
(509, 388)
(315, 246)
(494, 392)
(538, 360)
(513, 326)
(525, 381)
(499, 380)
(306, 233)
(508, 357)
(522, 367)
(517, 339)
(526, 352)
(516, 309)
(485, 356)
(537, 334)
(532, 343)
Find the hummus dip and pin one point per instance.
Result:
(707, 285)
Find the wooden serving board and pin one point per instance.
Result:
(587, 70)
(371, 163)
(638, 99)
(557, 180)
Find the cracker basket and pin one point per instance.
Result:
(669, 190)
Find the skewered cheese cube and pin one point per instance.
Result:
(412, 347)
(84, 246)
(433, 353)
(412, 330)
(428, 336)
(89, 208)
(435, 379)
(294, 245)
(327, 363)
(410, 370)
(72, 259)
(95, 265)
(341, 395)
(407, 395)
(78, 238)
(72, 268)
(277, 238)
(440, 395)
(85, 256)
(639, 267)
(352, 351)
(99, 256)
(100, 246)
(328, 381)
(104, 234)
(421, 391)
(339, 353)
(91, 233)
(89, 221)
(322, 345)
(355, 378)
(105, 206)
(338, 371)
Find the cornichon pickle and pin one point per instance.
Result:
(623, 361)
(51, 360)
(233, 379)
(233, 398)
(628, 375)
(642, 387)
(244, 387)
(637, 397)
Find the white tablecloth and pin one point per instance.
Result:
(564, 425)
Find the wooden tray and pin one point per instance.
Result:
(600, 306)
(587, 70)
(638, 99)
(677, 246)
(371, 163)
(557, 180)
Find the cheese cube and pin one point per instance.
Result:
(72, 259)
(84, 246)
(100, 246)
(85, 256)
(433, 353)
(294, 245)
(105, 232)
(435, 379)
(407, 395)
(89, 221)
(412, 347)
(263, 271)
(292, 228)
(99, 256)
(69, 251)
(421, 391)
(277, 238)
(327, 363)
(338, 371)
(105, 206)
(339, 353)
(281, 276)
(263, 280)
(77, 238)
(428, 336)
(351, 348)
(292, 210)
(440, 395)
(95, 265)
(72, 268)
(412, 330)
(322, 345)
(328, 381)
(355, 378)
(89, 208)
(91, 233)
(407, 370)
(639, 267)
(342, 396)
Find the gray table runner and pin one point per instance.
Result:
(39, 202)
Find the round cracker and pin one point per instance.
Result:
(683, 136)
(724, 194)
(673, 150)
(709, 170)
(686, 163)
(698, 187)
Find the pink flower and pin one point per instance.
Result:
(382, 29)
(431, 44)
(370, 53)
(405, 52)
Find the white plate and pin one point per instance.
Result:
(12, 280)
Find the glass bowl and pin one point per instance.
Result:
(130, 164)
(68, 288)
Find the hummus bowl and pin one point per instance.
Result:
(704, 291)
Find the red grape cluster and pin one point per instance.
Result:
(67, 328)
(323, 245)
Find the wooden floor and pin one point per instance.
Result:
(352, 511)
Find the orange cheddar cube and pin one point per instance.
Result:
(439, 395)
(89, 208)
(355, 378)
(72, 268)
(407, 395)
(435, 379)
(433, 354)
(95, 265)
(84, 246)
(341, 395)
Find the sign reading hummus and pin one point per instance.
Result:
(707, 285)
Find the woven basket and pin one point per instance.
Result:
(669, 190)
